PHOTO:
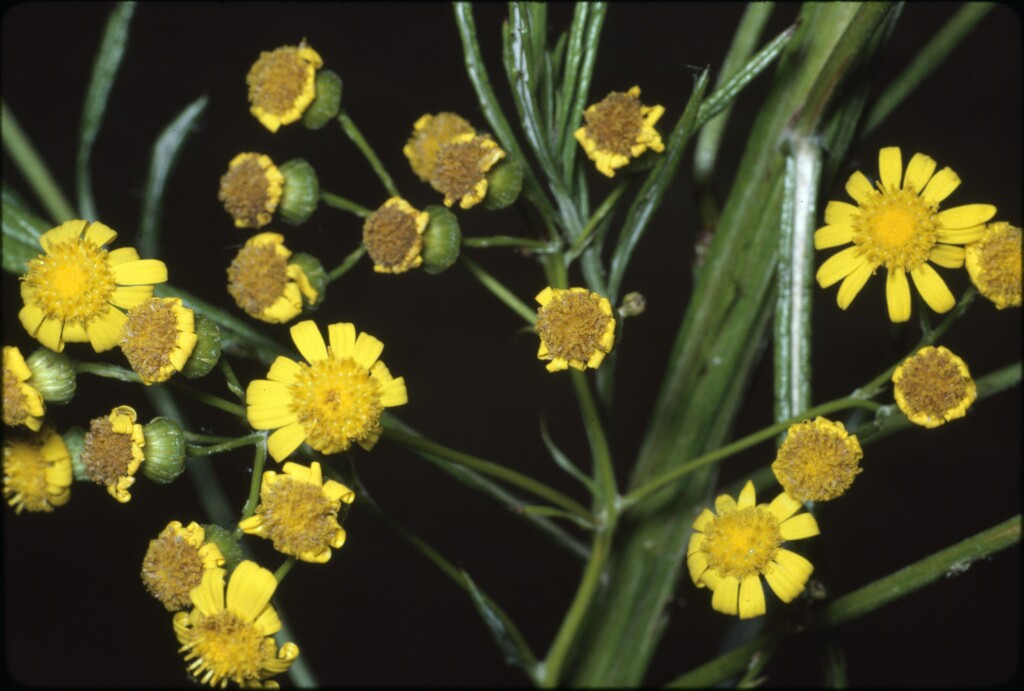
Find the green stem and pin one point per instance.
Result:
(34, 168)
(607, 206)
(234, 386)
(350, 261)
(195, 451)
(199, 438)
(604, 470)
(106, 371)
(349, 126)
(539, 246)
(338, 202)
(283, 569)
(259, 460)
(500, 291)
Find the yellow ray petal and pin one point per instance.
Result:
(839, 266)
(751, 597)
(99, 233)
(799, 527)
(69, 230)
(940, 186)
(860, 188)
(897, 295)
(284, 441)
(841, 213)
(284, 370)
(965, 216)
(250, 590)
(142, 271)
(932, 288)
(105, 330)
(367, 350)
(833, 236)
(725, 599)
(122, 255)
(343, 339)
(890, 167)
(947, 256)
(309, 341)
(853, 284)
(919, 172)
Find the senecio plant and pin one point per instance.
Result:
(306, 397)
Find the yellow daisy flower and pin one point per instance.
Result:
(251, 189)
(23, 404)
(329, 403)
(282, 84)
(72, 291)
(263, 282)
(393, 236)
(429, 134)
(230, 637)
(818, 460)
(897, 224)
(158, 338)
(994, 264)
(461, 168)
(113, 451)
(175, 563)
(298, 512)
(37, 469)
(619, 128)
(576, 328)
(730, 551)
(933, 386)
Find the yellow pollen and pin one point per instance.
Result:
(226, 647)
(277, 80)
(72, 281)
(171, 569)
(15, 405)
(391, 239)
(107, 454)
(149, 337)
(246, 193)
(572, 325)
(297, 517)
(257, 278)
(615, 123)
(932, 387)
(994, 263)
(896, 230)
(337, 402)
(742, 542)
(818, 461)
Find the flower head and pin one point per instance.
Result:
(37, 469)
(251, 189)
(619, 128)
(23, 403)
(393, 236)
(230, 638)
(818, 460)
(298, 512)
(175, 563)
(994, 264)
(73, 290)
(282, 84)
(264, 284)
(113, 451)
(729, 553)
(158, 338)
(461, 168)
(576, 328)
(933, 386)
(897, 224)
(429, 134)
(329, 403)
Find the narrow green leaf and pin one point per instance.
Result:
(570, 69)
(511, 643)
(34, 168)
(21, 230)
(563, 461)
(581, 89)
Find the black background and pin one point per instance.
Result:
(378, 613)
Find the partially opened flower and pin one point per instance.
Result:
(818, 460)
(933, 386)
(731, 551)
(158, 338)
(897, 225)
(298, 512)
(282, 84)
(461, 168)
(23, 403)
(393, 236)
(113, 451)
(994, 263)
(429, 134)
(175, 562)
(576, 328)
(265, 284)
(251, 189)
(230, 637)
(37, 469)
(74, 292)
(619, 128)
(334, 400)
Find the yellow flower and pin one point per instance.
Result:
(899, 226)
(251, 189)
(818, 460)
(994, 264)
(175, 563)
(23, 404)
(429, 134)
(393, 236)
(231, 638)
(619, 128)
(576, 328)
(729, 553)
(282, 84)
(264, 284)
(158, 338)
(73, 290)
(461, 168)
(298, 512)
(933, 386)
(113, 451)
(329, 403)
(37, 470)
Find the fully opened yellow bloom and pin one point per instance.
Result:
(619, 128)
(265, 284)
(994, 263)
(175, 563)
(113, 451)
(73, 291)
(818, 460)
(23, 404)
(37, 470)
(897, 224)
(231, 638)
(393, 236)
(730, 551)
(329, 403)
(251, 189)
(429, 134)
(576, 328)
(298, 512)
(158, 338)
(933, 386)
(282, 84)
(461, 168)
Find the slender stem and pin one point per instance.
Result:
(122, 374)
(259, 460)
(195, 451)
(500, 291)
(339, 202)
(350, 261)
(540, 246)
(283, 569)
(199, 438)
(357, 138)
(234, 386)
(606, 207)
(34, 168)
(604, 471)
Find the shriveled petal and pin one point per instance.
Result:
(919, 172)
(284, 441)
(725, 599)
(860, 188)
(853, 284)
(367, 350)
(833, 236)
(99, 233)
(343, 339)
(284, 370)
(940, 186)
(839, 266)
(747, 496)
(208, 596)
(799, 527)
(784, 506)
(309, 341)
(105, 331)
(965, 216)
(751, 599)
(890, 167)
(897, 295)
(932, 288)
(250, 590)
(141, 271)
(841, 213)
(947, 256)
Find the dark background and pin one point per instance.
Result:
(378, 613)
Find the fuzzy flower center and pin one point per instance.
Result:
(297, 517)
(433, 132)
(742, 542)
(999, 254)
(817, 462)
(15, 402)
(572, 326)
(461, 168)
(25, 474)
(248, 194)
(390, 237)
(932, 385)
(278, 80)
(337, 402)
(72, 281)
(226, 647)
(615, 123)
(107, 454)
(895, 229)
(171, 568)
(257, 277)
(149, 337)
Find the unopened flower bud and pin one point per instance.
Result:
(74, 439)
(633, 304)
(301, 192)
(441, 240)
(53, 375)
(207, 351)
(225, 540)
(326, 103)
(504, 183)
(165, 450)
(317, 277)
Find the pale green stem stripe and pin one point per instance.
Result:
(350, 261)
(349, 126)
(338, 202)
(500, 291)
(541, 246)
(34, 168)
